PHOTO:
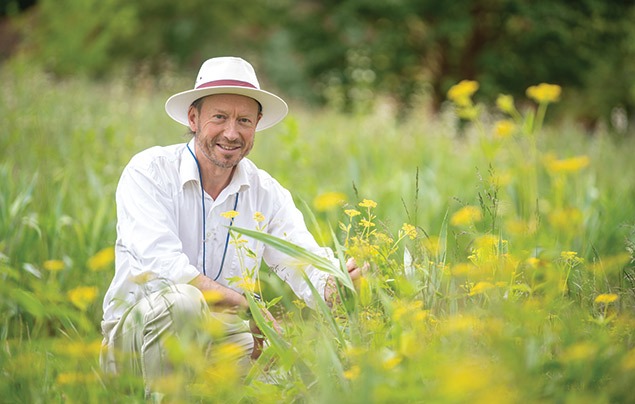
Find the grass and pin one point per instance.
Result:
(516, 284)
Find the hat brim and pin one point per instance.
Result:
(274, 109)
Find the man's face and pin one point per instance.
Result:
(225, 128)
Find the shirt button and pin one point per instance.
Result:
(209, 234)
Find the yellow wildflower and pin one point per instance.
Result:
(570, 165)
(409, 230)
(102, 259)
(462, 92)
(505, 103)
(328, 201)
(82, 296)
(75, 378)
(247, 284)
(352, 212)
(367, 203)
(461, 269)
(579, 352)
(53, 265)
(505, 128)
(544, 93)
(391, 362)
(480, 287)
(566, 219)
(230, 214)
(366, 223)
(259, 217)
(466, 215)
(606, 298)
(352, 373)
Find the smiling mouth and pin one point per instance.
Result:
(228, 147)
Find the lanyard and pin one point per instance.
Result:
(200, 176)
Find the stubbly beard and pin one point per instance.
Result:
(208, 147)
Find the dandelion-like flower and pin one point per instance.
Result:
(466, 216)
(462, 92)
(504, 128)
(53, 265)
(570, 165)
(102, 259)
(506, 103)
(367, 203)
(544, 93)
(480, 287)
(82, 296)
(606, 298)
(230, 214)
(328, 201)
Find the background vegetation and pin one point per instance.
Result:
(501, 238)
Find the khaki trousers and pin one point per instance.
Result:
(137, 342)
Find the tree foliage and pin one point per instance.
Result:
(349, 52)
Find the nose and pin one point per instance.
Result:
(231, 131)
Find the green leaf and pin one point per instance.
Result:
(299, 253)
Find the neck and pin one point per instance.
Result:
(215, 179)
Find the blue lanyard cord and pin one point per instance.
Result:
(227, 239)
(200, 177)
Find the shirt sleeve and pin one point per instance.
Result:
(288, 223)
(147, 228)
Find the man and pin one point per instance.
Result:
(175, 205)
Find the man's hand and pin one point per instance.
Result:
(354, 272)
(259, 338)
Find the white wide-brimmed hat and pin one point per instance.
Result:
(228, 75)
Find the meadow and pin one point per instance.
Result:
(500, 242)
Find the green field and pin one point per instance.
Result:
(501, 255)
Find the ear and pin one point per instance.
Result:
(192, 118)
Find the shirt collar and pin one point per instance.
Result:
(188, 171)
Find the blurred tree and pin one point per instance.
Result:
(348, 52)
(95, 36)
(407, 45)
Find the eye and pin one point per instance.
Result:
(245, 121)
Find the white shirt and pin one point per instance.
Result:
(160, 228)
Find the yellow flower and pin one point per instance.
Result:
(259, 217)
(409, 230)
(461, 269)
(544, 93)
(570, 165)
(352, 212)
(53, 265)
(462, 92)
(606, 298)
(566, 219)
(328, 201)
(352, 373)
(466, 216)
(480, 288)
(505, 103)
(230, 214)
(367, 203)
(75, 378)
(366, 223)
(504, 129)
(82, 296)
(102, 260)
